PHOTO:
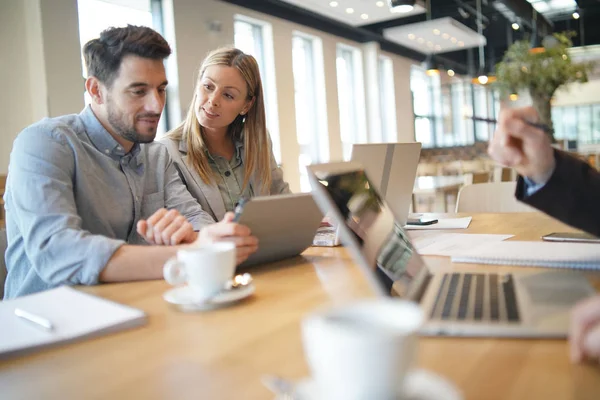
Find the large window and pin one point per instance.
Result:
(387, 100)
(351, 97)
(444, 113)
(580, 123)
(311, 121)
(255, 37)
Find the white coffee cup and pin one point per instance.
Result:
(205, 268)
(362, 350)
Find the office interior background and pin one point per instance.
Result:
(334, 72)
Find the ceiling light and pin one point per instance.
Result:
(364, 16)
(350, 10)
(431, 68)
(380, 4)
(401, 6)
(429, 44)
(453, 39)
(333, 4)
(421, 40)
(461, 44)
(445, 36)
(436, 31)
(515, 26)
(513, 97)
(576, 15)
(438, 47)
(450, 72)
(411, 36)
(483, 79)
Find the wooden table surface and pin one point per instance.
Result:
(222, 354)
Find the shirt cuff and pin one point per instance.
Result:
(531, 187)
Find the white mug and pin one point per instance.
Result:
(362, 350)
(205, 268)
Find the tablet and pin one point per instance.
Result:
(285, 225)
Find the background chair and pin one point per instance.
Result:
(493, 197)
(476, 177)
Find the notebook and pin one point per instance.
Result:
(535, 254)
(74, 315)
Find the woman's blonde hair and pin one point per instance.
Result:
(252, 131)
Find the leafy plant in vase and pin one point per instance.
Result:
(541, 71)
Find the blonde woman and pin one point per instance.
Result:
(222, 149)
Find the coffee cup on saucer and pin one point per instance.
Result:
(205, 268)
(362, 350)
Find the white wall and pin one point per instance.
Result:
(40, 63)
(41, 57)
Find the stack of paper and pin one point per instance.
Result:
(71, 313)
(534, 254)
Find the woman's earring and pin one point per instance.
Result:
(243, 118)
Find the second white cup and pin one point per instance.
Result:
(205, 268)
(362, 350)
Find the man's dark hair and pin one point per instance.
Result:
(103, 56)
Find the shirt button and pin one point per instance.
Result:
(227, 173)
(107, 151)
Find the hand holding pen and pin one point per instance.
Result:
(229, 230)
(521, 143)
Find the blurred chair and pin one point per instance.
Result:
(492, 197)
(476, 177)
(3, 244)
(475, 165)
(504, 174)
(452, 168)
(427, 169)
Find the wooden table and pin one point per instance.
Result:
(222, 354)
(439, 186)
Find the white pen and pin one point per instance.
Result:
(36, 319)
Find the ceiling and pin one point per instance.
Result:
(534, 17)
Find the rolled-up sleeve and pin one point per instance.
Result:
(42, 199)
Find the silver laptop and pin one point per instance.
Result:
(285, 225)
(469, 302)
(392, 168)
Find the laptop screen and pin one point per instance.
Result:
(367, 226)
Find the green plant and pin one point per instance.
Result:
(541, 71)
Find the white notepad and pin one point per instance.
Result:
(73, 314)
(535, 254)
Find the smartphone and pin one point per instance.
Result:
(571, 237)
(421, 221)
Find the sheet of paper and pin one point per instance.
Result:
(452, 244)
(443, 223)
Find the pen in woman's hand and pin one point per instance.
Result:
(239, 207)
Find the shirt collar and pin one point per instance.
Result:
(101, 139)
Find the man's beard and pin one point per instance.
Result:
(128, 132)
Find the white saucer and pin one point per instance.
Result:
(184, 298)
(420, 384)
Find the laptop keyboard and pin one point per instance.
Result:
(476, 297)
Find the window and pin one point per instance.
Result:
(311, 123)
(255, 38)
(97, 15)
(387, 100)
(444, 113)
(580, 123)
(351, 95)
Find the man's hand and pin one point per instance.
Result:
(522, 146)
(166, 228)
(226, 230)
(584, 333)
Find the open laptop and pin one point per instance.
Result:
(285, 225)
(466, 302)
(392, 168)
